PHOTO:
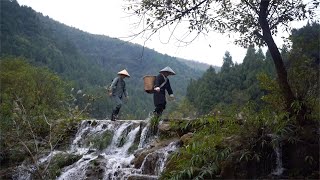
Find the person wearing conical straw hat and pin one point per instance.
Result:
(161, 85)
(118, 92)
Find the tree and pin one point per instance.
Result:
(254, 21)
(227, 61)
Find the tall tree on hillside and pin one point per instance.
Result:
(250, 55)
(227, 62)
(268, 63)
(254, 21)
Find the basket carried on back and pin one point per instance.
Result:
(149, 83)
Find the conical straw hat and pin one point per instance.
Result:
(169, 70)
(124, 72)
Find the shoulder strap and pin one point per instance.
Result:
(116, 83)
(165, 81)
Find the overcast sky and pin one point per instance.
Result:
(107, 17)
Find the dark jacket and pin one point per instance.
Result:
(160, 97)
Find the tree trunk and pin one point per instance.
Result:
(276, 56)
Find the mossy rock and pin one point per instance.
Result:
(133, 147)
(124, 136)
(60, 161)
(100, 141)
(96, 169)
(104, 141)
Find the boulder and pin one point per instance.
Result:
(141, 154)
(186, 138)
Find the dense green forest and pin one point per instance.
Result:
(88, 61)
(244, 117)
(235, 84)
(238, 84)
(52, 76)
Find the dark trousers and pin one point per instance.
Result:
(118, 103)
(159, 109)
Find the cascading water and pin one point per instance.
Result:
(279, 168)
(160, 157)
(106, 149)
(278, 151)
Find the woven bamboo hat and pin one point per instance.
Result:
(169, 70)
(124, 72)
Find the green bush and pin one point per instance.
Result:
(31, 100)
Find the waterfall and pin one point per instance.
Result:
(279, 168)
(22, 172)
(106, 150)
(159, 158)
(278, 151)
(77, 170)
(146, 136)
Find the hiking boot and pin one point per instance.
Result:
(113, 117)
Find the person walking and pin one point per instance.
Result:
(117, 91)
(161, 85)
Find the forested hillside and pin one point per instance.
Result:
(197, 65)
(235, 84)
(89, 61)
(244, 131)
(232, 124)
(238, 84)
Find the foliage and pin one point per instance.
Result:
(33, 104)
(274, 96)
(234, 84)
(28, 96)
(100, 141)
(89, 61)
(154, 122)
(228, 137)
(303, 70)
(240, 83)
(241, 17)
(254, 21)
(199, 159)
(58, 162)
(183, 109)
(35, 117)
(251, 134)
(303, 73)
(37, 89)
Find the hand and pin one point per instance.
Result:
(157, 89)
(125, 99)
(110, 93)
(171, 97)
